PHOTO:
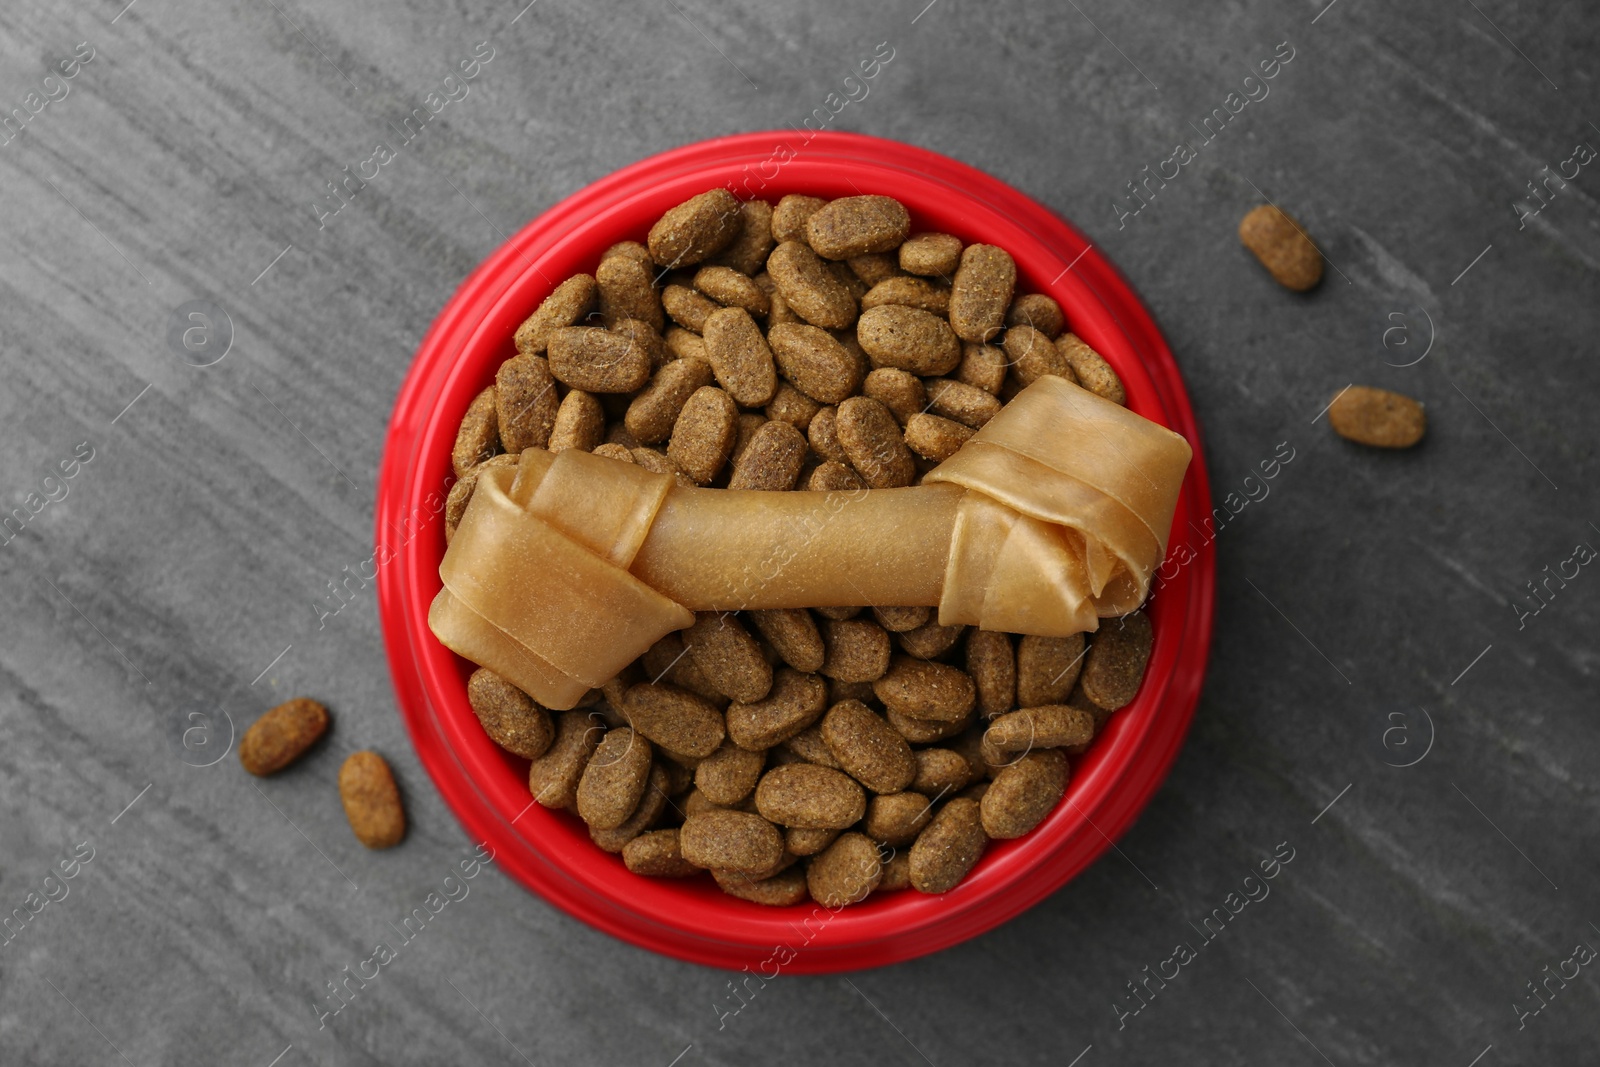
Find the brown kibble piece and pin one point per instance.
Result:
(1047, 669)
(789, 218)
(696, 229)
(1038, 311)
(782, 890)
(479, 435)
(553, 777)
(674, 718)
(744, 433)
(740, 357)
(832, 477)
(747, 254)
(966, 404)
(729, 775)
(614, 779)
(772, 462)
(687, 307)
(1282, 246)
(809, 747)
(808, 795)
(868, 747)
(823, 435)
(730, 841)
(908, 292)
(929, 691)
(632, 250)
(728, 656)
(896, 872)
(597, 360)
(926, 731)
(845, 873)
(525, 400)
(896, 819)
(731, 289)
(949, 848)
(580, 423)
(935, 438)
(941, 772)
(981, 292)
(793, 633)
(857, 650)
(993, 667)
(810, 289)
(627, 291)
(703, 435)
(909, 338)
(372, 800)
(647, 814)
(931, 254)
(653, 413)
(983, 366)
(282, 736)
(792, 406)
(857, 225)
(1377, 417)
(1023, 794)
(806, 840)
(656, 855)
(875, 267)
(657, 462)
(871, 439)
(797, 700)
(512, 719)
(930, 640)
(1114, 665)
(567, 304)
(898, 390)
(1093, 372)
(899, 620)
(1050, 726)
(685, 344)
(1034, 355)
(812, 359)
(616, 452)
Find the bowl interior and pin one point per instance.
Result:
(551, 851)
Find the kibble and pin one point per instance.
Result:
(653, 413)
(728, 657)
(949, 848)
(580, 423)
(919, 689)
(703, 436)
(846, 873)
(772, 460)
(729, 774)
(909, 338)
(932, 254)
(282, 736)
(569, 303)
(805, 794)
(868, 748)
(696, 229)
(814, 361)
(656, 855)
(676, 719)
(910, 292)
(935, 438)
(479, 435)
(981, 292)
(687, 307)
(730, 288)
(372, 800)
(1038, 311)
(740, 357)
(553, 777)
(789, 218)
(1282, 246)
(1114, 665)
(1048, 668)
(790, 405)
(793, 634)
(512, 719)
(857, 650)
(1023, 794)
(613, 782)
(731, 841)
(941, 772)
(1377, 417)
(1050, 726)
(857, 225)
(993, 666)
(525, 402)
(809, 288)
(796, 701)
(747, 253)
(627, 291)
(871, 440)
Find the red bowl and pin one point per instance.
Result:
(550, 852)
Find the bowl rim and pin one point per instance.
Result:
(1111, 783)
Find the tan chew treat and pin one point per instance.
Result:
(797, 700)
(898, 620)
(568, 304)
(772, 460)
(857, 650)
(807, 841)
(728, 656)
(871, 440)
(627, 291)
(909, 338)
(809, 747)
(747, 254)
(703, 436)
(993, 667)
(652, 414)
(1092, 371)
(597, 360)
(951, 845)
(1033, 355)
(282, 736)
(805, 794)
(1047, 669)
(809, 288)
(674, 718)
(730, 288)
(897, 818)
(817, 364)
(794, 407)
(613, 781)
(740, 357)
(1050, 726)
(730, 841)
(874, 267)
(935, 438)
(656, 855)
(525, 402)
(900, 391)
(580, 423)
(372, 800)
(782, 890)
(929, 691)
(479, 435)
(983, 367)
(981, 292)
(1023, 794)
(908, 292)
(1282, 246)
(931, 254)
(1038, 311)
(789, 218)
(868, 748)
(512, 719)
(1115, 663)
(846, 873)
(553, 777)
(1377, 417)
(941, 772)
(966, 404)
(688, 308)
(857, 225)
(930, 640)
(455, 504)
(729, 774)
(793, 634)
(696, 229)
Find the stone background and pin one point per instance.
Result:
(1368, 592)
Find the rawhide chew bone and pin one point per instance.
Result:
(567, 567)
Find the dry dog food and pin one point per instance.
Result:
(372, 800)
(1377, 417)
(1282, 246)
(830, 753)
(282, 736)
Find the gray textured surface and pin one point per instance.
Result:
(191, 549)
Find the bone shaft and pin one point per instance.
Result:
(730, 550)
